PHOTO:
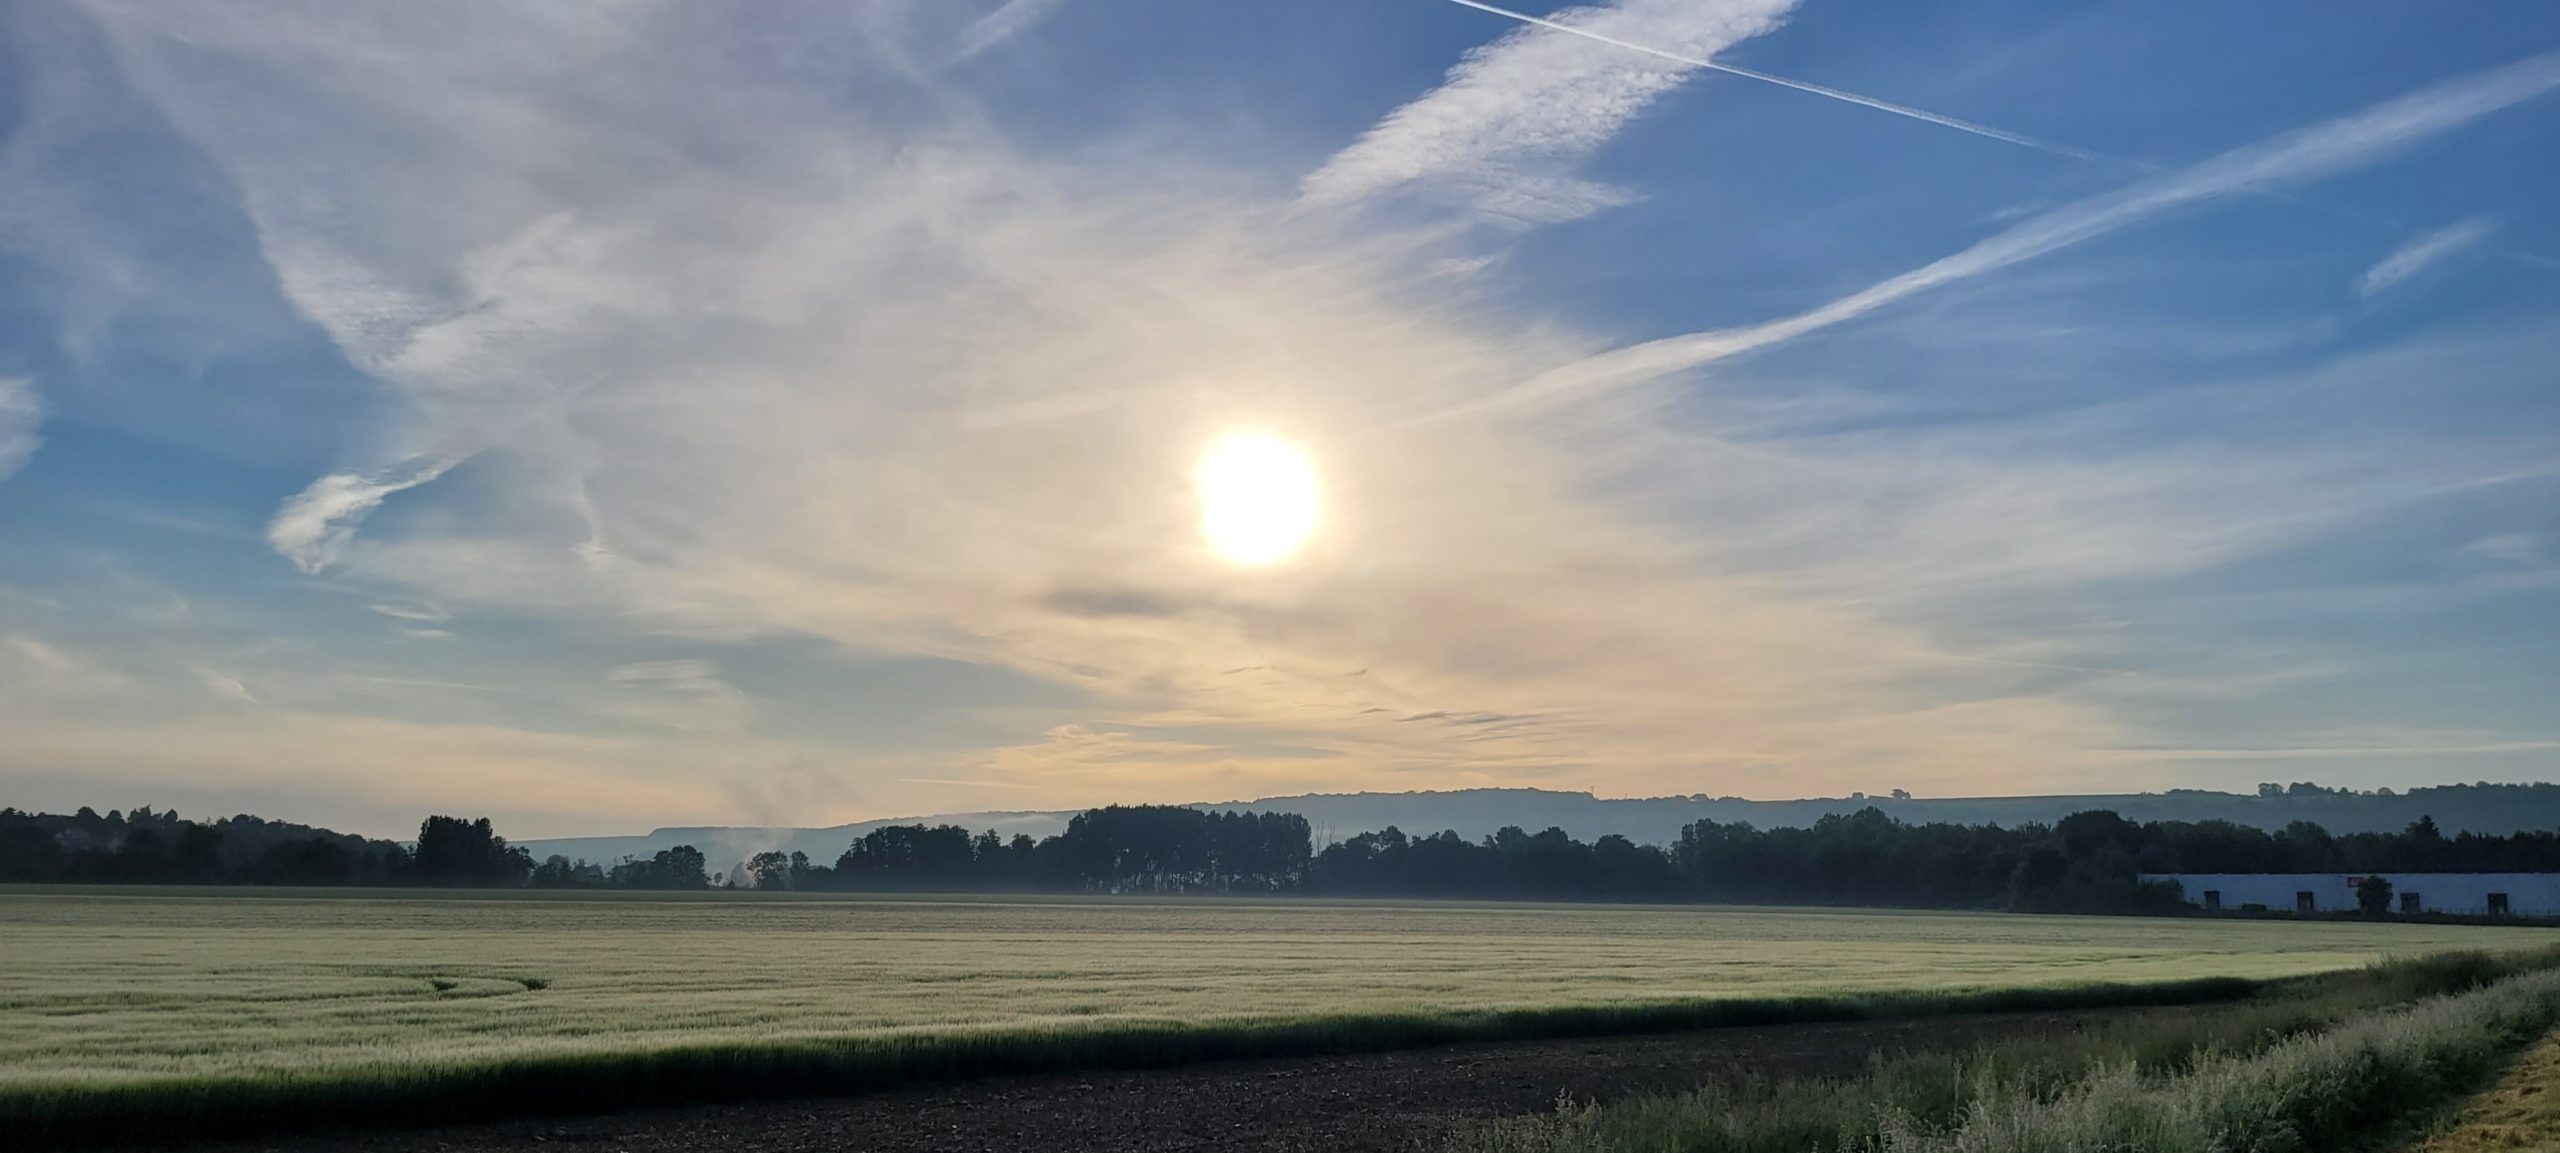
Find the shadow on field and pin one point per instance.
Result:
(1372, 1101)
(395, 1096)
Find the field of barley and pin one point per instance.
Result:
(106, 987)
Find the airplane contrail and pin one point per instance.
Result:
(1921, 114)
(1985, 131)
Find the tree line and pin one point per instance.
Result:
(146, 847)
(2087, 862)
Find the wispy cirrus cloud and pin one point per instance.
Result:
(415, 614)
(39, 668)
(685, 694)
(863, 377)
(1008, 20)
(2323, 149)
(227, 686)
(2508, 548)
(21, 415)
(2423, 252)
(315, 526)
(1505, 132)
(772, 395)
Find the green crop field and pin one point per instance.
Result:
(118, 987)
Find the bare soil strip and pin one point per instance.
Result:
(1382, 1101)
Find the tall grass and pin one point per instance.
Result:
(2315, 1092)
(2308, 1066)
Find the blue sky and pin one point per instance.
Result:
(650, 414)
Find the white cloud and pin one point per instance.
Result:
(2414, 257)
(1504, 133)
(315, 526)
(221, 684)
(917, 395)
(902, 389)
(21, 414)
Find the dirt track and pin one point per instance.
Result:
(1385, 1101)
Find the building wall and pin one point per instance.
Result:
(2533, 894)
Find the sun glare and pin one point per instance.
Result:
(1257, 498)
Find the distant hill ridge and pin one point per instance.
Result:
(2481, 808)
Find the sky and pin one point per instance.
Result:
(632, 414)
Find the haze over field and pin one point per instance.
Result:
(1476, 813)
(616, 416)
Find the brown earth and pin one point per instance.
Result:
(2520, 1112)
(1380, 1101)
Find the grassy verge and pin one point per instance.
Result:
(2316, 1064)
(2521, 1111)
(37, 1112)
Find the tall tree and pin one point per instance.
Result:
(453, 851)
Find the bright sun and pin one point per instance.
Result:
(1257, 498)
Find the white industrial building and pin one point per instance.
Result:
(2521, 894)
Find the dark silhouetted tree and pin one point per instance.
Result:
(680, 867)
(453, 851)
(2373, 894)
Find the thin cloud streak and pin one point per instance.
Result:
(2416, 256)
(1006, 22)
(21, 414)
(2323, 149)
(224, 685)
(1921, 114)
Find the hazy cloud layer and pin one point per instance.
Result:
(684, 694)
(719, 340)
(622, 334)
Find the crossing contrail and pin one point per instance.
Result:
(1921, 114)
(1985, 131)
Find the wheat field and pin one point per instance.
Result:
(127, 986)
